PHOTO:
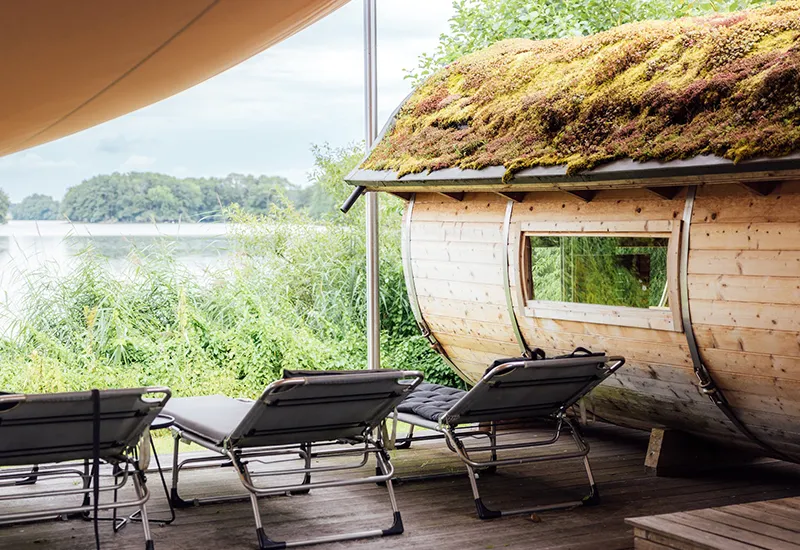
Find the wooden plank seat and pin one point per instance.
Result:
(767, 525)
(512, 390)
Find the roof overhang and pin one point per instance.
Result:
(619, 174)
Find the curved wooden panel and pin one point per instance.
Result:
(457, 252)
(743, 287)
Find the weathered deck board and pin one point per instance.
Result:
(769, 525)
(439, 513)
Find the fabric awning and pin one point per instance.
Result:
(69, 65)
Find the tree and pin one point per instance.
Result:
(36, 207)
(4, 204)
(150, 196)
(477, 24)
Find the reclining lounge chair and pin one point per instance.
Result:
(335, 412)
(512, 390)
(80, 428)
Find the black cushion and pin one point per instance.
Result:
(430, 401)
(582, 352)
(535, 354)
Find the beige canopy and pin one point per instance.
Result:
(69, 65)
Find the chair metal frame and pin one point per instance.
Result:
(236, 452)
(122, 457)
(457, 426)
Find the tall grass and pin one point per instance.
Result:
(291, 296)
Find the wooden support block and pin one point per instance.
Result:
(405, 196)
(759, 188)
(668, 193)
(672, 453)
(644, 544)
(512, 195)
(584, 194)
(455, 196)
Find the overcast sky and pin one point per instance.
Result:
(260, 117)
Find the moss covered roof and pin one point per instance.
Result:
(662, 90)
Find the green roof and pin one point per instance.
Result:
(727, 85)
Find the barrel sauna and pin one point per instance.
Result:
(542, 214)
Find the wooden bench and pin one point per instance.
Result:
(768, 525)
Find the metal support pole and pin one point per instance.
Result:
(371, 121)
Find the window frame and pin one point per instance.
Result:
(668, 318)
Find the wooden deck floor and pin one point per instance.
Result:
(440, 513)
(769, 524)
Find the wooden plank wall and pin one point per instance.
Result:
(657, 386)
(744, 289)
(456, 253)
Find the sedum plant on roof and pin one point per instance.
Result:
(727, 85)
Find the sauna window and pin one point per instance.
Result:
(628, 278)
(611, 271)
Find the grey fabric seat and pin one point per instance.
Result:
(46, 437)
(515, 389)
(335, 412)
(430, 401)
(213, 417)
(57, 427)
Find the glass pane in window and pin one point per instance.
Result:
(613, 271)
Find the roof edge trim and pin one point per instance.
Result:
(627, 170)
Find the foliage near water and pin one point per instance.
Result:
(292, 296)
(36, 207)
(150, 196)
(4, 205)
(724, 85)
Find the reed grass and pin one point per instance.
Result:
(291, 295)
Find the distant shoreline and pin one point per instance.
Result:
(53, 228)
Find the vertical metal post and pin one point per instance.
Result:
(371, 122)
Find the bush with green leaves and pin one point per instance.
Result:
(477, 24)
(291, 296)
(36, 207)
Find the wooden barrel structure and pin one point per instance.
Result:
(742, 277)
(486, 263)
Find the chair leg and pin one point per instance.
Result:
(31, 479)
(406, 441)
(397, 525)
(265, 543)
(593, 498)
(87, 485)
(493, 441)
(175, 500)
(306, 453)
(138, 481)
(483, 511)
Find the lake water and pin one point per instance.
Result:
(27, 246)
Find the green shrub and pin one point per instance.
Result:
(292, 295)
